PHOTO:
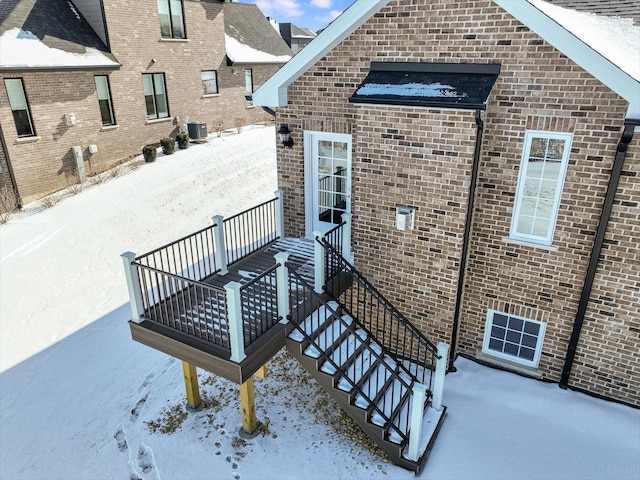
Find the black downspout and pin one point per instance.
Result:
(465, 240)
(12, 177)
(618, 162)
(269, 111)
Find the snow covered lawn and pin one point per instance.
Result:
(80, 399)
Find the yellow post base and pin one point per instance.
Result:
(247, 401)
(191, 385)
(262, 371)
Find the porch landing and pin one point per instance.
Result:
(172, 335)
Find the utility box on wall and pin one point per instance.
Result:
(405, 217)
(79, 159)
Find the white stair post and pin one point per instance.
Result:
(319, 265)
(441, 370)
(282, 286)
(234, 319)
(417, 414)
(220, 249)
(346, 236)
(279, 213)
(133, 284)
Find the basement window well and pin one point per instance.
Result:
(441, 85)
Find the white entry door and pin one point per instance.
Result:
(327, 179)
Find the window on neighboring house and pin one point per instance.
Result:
(248, 84)
(542, 171)
(209, 82)
(155, 95)
(104, 100)
(19, 107)
(513, 338)
(171, 19)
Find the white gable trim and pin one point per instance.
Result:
(575, 49)
(273, 93)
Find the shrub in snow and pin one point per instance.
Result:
(74, 185)
(219, 127)
(150, 153)
(8, 204)
(240, 122)
(168, 145)
(183, 140)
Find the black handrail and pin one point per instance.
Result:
(394, 331)
(399, 386)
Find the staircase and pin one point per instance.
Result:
(389, 394)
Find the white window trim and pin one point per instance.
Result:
(529, 135)
(505, 356)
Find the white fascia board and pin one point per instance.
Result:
(273, 92)
(578, 51)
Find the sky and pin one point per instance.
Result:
(311, 14)
(79, 399)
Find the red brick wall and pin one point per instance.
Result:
(134, 31)
(538, 88)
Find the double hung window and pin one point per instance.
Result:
(19, 107)
(542, 171)
(155, 95)
(171, 19)
(104, 99)
(248, 84)
(209, 82)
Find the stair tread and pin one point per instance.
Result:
(313, 322)
(360, 364)
(376, 381)
(328, 336)
(393, 397)
(430, 421)
(341, 355)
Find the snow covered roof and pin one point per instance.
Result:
(598, 58)
(49, 34)
(250, 38)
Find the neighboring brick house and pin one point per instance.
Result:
(297, 38)
(117, 75)
(486, 152)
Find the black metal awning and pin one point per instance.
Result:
(441, 85)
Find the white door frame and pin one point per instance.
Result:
(309, 204)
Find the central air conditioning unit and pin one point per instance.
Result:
(197, 130)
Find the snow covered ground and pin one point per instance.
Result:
(80, 400)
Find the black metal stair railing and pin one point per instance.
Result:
(249, 231)
(392, 329)
(345, 358)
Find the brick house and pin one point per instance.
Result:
(486, 152)
(116, 75)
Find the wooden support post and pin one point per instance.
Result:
(416, 415)
(279, 214)
(262, 371)
(441, 370)
(220, 249)
(247, 400)
(319, 264)
(282, 286)
(234, 319)
(191, 385)
(133, 284)
(346, 237)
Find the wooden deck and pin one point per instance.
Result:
(193, 323)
